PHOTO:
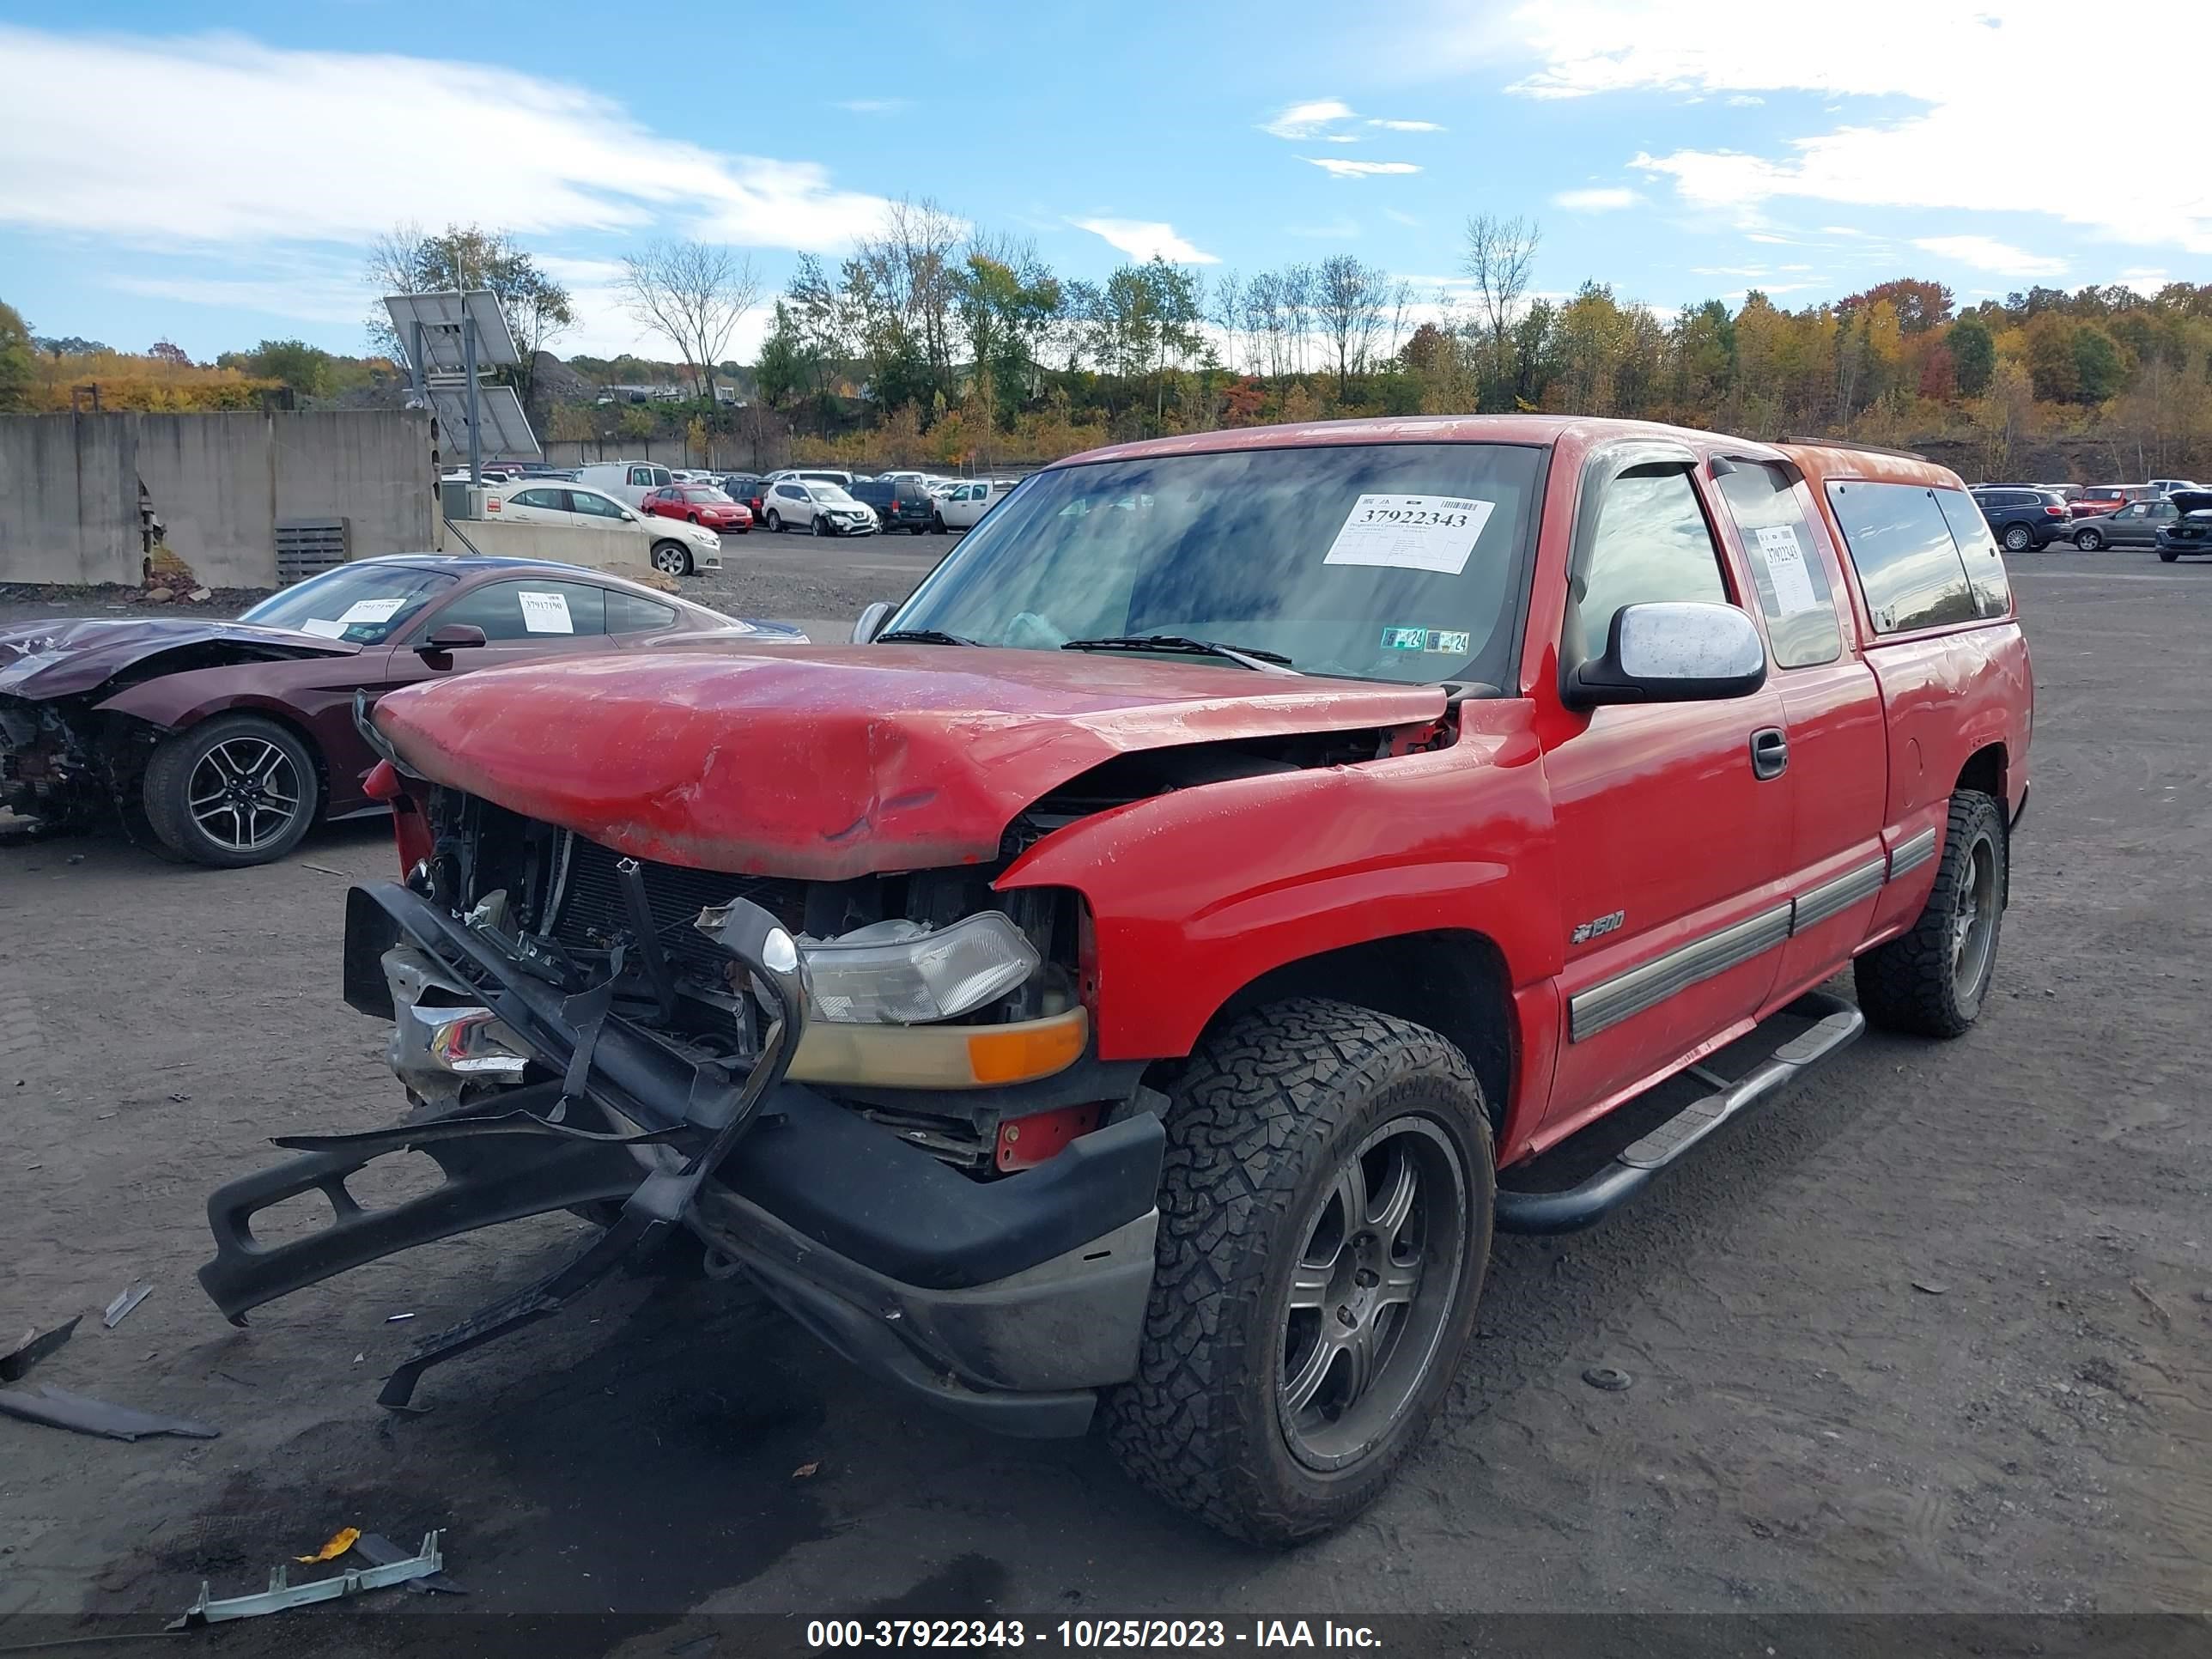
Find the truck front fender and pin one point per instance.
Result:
(1197, 893)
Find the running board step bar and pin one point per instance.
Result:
(1836, 1023)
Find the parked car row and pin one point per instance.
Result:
(2024, 517)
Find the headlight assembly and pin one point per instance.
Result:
(903, 973)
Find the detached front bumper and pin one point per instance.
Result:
(1008, 1302)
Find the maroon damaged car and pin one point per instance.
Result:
(223, 742)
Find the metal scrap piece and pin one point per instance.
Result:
(283, 1593)
(383, 1553)
(16, 1364)
(85, 1415)
(125, 1299)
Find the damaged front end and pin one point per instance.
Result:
(812, 1077)
(52, 767)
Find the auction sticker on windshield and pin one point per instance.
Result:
(545, 613)
(370, 611)
(1410, 532)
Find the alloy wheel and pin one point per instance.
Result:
(1370, 1293)
(244, 795)
(1974, 924)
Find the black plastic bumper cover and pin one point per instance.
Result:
(862, 1202)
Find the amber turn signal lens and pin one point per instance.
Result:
(1022, 1052)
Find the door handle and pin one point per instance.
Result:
(1770, 753)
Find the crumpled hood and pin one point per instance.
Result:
(57, 658)
(833, 762)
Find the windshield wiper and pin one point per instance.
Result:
(925, 637)
(1264, 662)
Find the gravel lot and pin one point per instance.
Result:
(1933, 1331)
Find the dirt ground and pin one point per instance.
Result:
(1929, 1333)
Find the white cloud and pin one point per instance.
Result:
(332, 300)
(1406, 126)
(1305, 120)
(1964, 149)
(1398, 218)
(1744, 100)
(1596, 201)
(1142, 239)
(1344, 169)
(1987, 253)
(877, 105)
(1340, 138)
(334, 146)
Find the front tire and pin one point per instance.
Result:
(2166, 555)
(2018, 539)
(672, 558)
(821, 525)
(1325, 1223)
(1931, 979)
(232, 792)
(2089, 540)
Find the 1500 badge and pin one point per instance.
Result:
(1586, 931)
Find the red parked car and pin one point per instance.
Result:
(2097, 500)
(700, 504)
(1137, 978)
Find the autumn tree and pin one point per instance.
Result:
(1973, 354)
(17, 364)
(1500, 257)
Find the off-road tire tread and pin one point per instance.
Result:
(1905, 985)
(161, 792)
(1251, 1101)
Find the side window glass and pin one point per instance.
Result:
(660, 475)
(1901, 543)
(596, 507)
(1649, 544)
(627, 613)
(1978, 550)
(1786, 566)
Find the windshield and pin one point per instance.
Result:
(830, 496)
(363, 603)
(704, 493)
(1395, 562)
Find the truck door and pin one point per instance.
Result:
(1839, 746)
(1673, 828)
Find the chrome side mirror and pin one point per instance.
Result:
(871, 620)
(1674, 651)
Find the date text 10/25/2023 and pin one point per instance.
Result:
(1087, 1633)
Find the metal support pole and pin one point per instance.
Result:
(476, 424)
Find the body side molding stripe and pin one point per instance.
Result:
(1912, 852)
(1610, 1001)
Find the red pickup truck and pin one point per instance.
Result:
(1137, 976)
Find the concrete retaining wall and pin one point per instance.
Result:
(68, 499)
(68, 490)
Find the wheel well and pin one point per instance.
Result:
(1453, 983)
(1984, 771)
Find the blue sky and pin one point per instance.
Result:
(211, 174)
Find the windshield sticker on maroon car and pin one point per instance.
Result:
(323, 627)
(370, 611)
(1435, 533)
(545, 613)
(1445, 641)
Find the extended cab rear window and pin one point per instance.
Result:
(1909, 564)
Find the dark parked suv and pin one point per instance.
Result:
(2021, 517)
(900, 503)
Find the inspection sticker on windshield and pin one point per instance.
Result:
(1445, 642)
(545, 613)
(323, 627)
(1786, 565)
(1410, 532)
(370, 611)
